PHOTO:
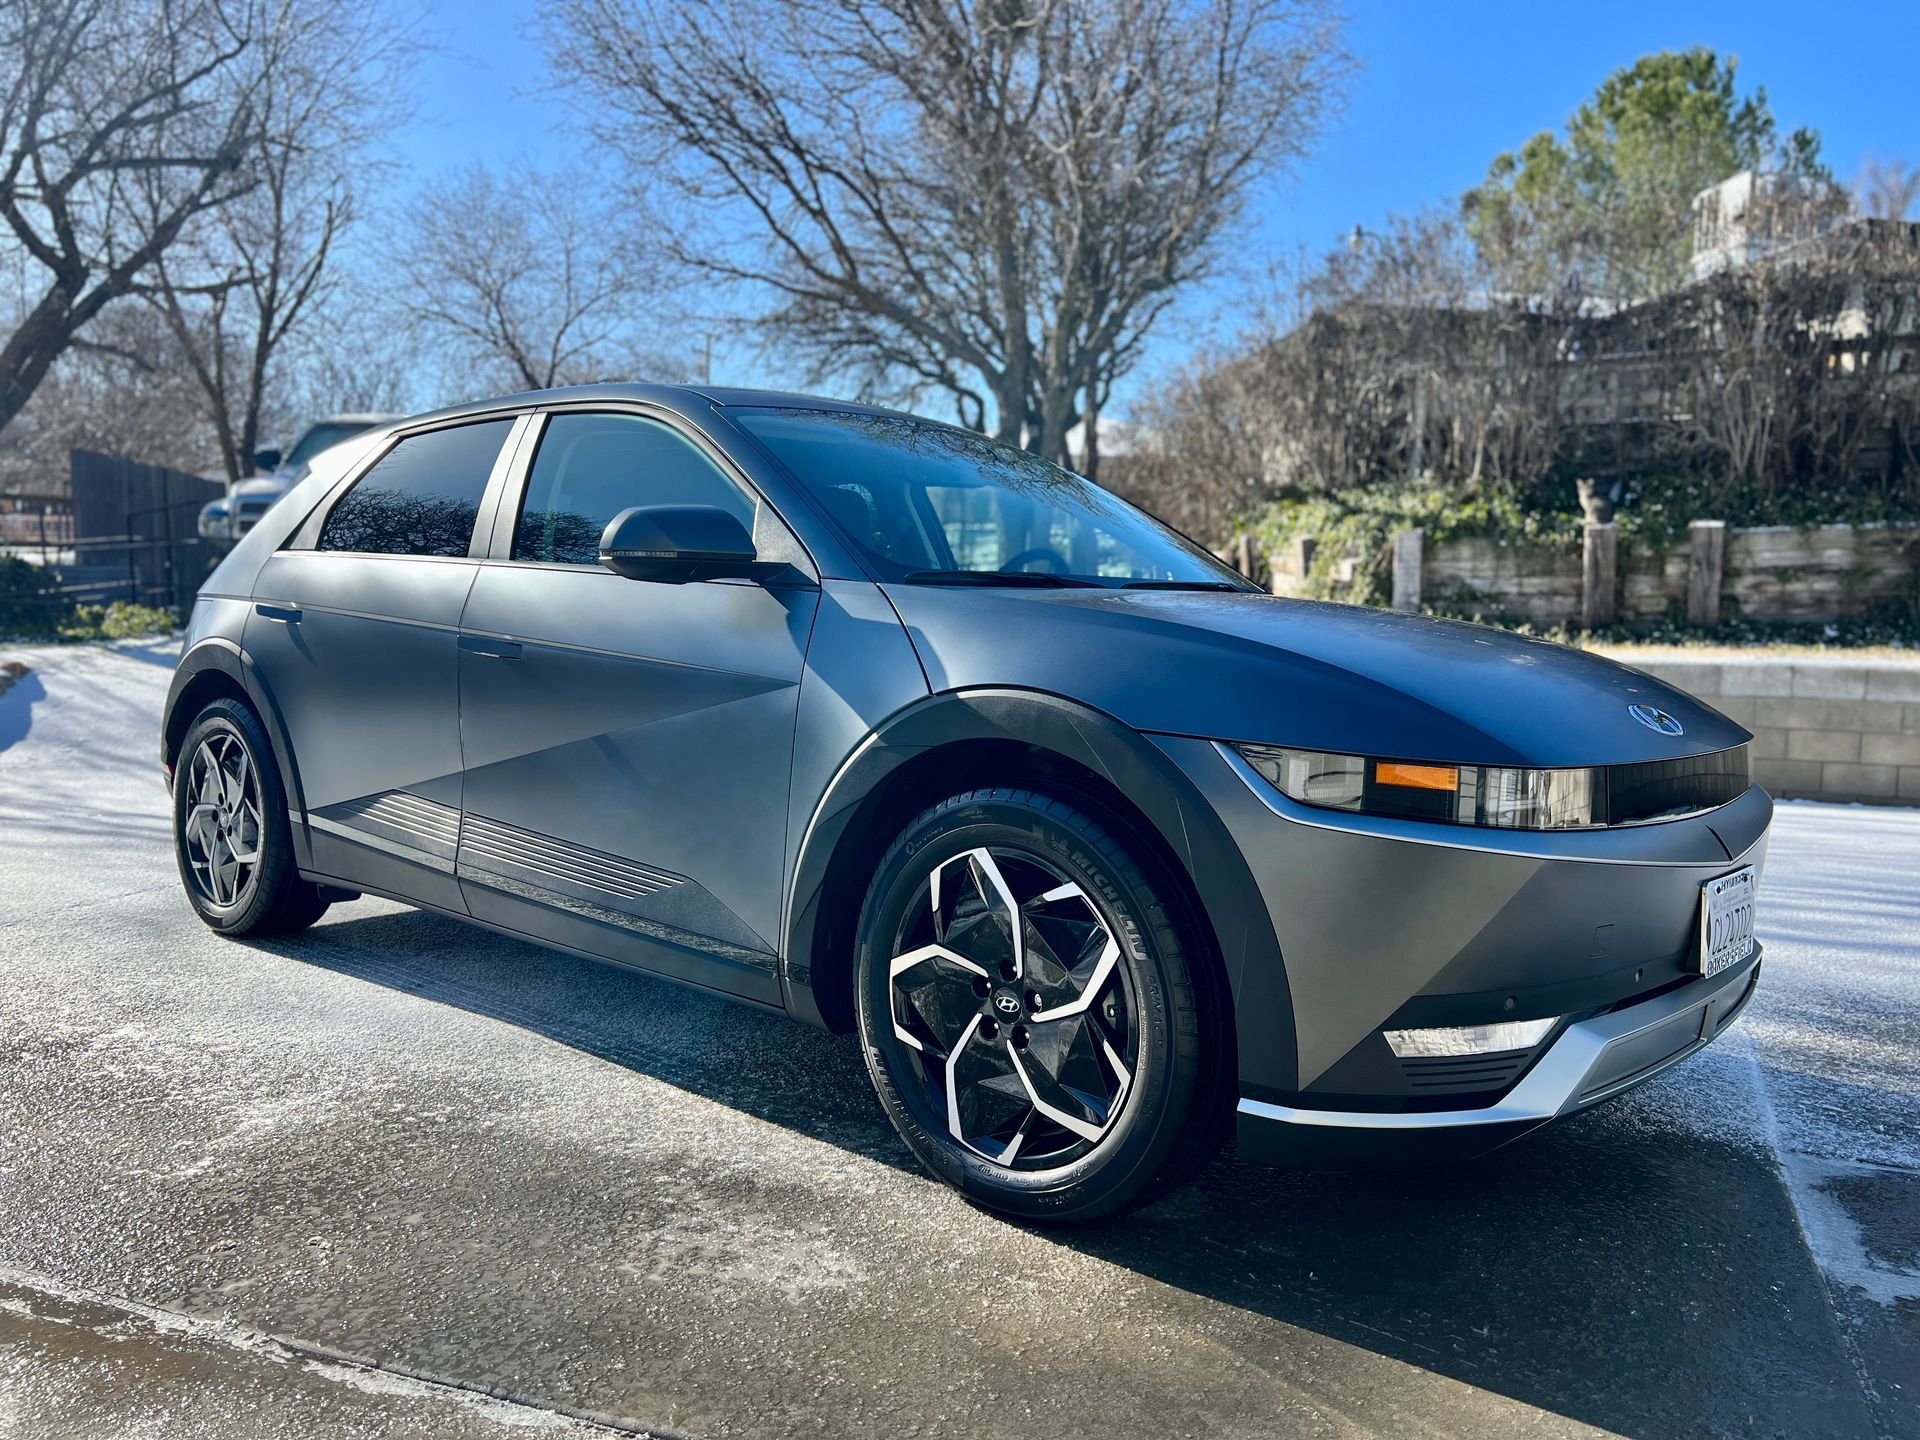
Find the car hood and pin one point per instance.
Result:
(1305, 674)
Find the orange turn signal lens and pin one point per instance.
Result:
(1417, 777)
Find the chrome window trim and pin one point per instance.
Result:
(513, 492)
(305, 536)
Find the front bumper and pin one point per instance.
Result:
(1590, 1061)
(1381, 925)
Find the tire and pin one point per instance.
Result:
(219, 823)
(1080, 1078)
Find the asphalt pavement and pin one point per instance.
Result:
(400, 1176)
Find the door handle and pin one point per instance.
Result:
(488, 646)
(285, 614)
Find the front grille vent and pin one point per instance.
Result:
(1464, 1074)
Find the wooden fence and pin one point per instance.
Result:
(146, 519)
(129, 532)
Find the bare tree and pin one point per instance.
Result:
(120, 123)
(526, 280)
(1888, 189)
(352, 358)
(1796, 369)
(1395, 360)
(992, 201)
(1400, 361)
(118, 389)
(247, 278)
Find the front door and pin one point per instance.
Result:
(354, 637)
(628, 742)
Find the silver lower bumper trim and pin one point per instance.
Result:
(1558, 1081)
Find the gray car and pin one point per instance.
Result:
(897, 729)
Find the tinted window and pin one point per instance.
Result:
(591, 467)
(927, 502)
(422, 497)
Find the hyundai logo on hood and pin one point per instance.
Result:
(1655, 719)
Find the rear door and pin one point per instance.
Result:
(354, 632)
(629, 743)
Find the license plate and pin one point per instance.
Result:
(1726, 921)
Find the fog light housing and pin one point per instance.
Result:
(1469, 1039)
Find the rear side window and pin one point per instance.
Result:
(591, 467)
(422, 496)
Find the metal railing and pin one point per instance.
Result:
(162, 569)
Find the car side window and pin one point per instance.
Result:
(590, 467)
(420, 498)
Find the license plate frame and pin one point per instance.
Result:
(1726, 921)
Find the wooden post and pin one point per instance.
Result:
(1599, 576)
(1243, 554)
(1409, 548)
(1706, 564)
(1291, 565)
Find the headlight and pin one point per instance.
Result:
(1496, 795)
(213, 520)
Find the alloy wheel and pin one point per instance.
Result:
(222, 827)
(1009, 989)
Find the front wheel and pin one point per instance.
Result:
(1029, 1008)
(230, 831)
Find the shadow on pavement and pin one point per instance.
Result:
(16, 708)
(1615, 1269)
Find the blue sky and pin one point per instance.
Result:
(1443, 88)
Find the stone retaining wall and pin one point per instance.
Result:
(1824, 729)
(1770, 573)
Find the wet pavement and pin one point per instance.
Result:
(400, 1176)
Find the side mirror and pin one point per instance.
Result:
(268, 460)
(677, 543)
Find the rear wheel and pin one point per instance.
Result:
(1029, 1009)
(230, 831)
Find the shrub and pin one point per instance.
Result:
(122, 620)
(31, 610)
(1359, 525)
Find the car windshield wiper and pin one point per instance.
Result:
(1181, 585)
(1035, 578)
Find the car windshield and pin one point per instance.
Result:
(929, 504)
(319, 437)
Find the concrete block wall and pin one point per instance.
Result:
(1826, 729)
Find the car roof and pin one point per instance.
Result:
(681, 398)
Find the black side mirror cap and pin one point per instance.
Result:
(678, 543)
(266, 460)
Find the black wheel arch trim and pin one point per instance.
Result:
(1230, 900)
(222, 655)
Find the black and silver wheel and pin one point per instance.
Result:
(1028, 1011)
(230, 829)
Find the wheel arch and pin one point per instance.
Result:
(954, 741)
(214, 668)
